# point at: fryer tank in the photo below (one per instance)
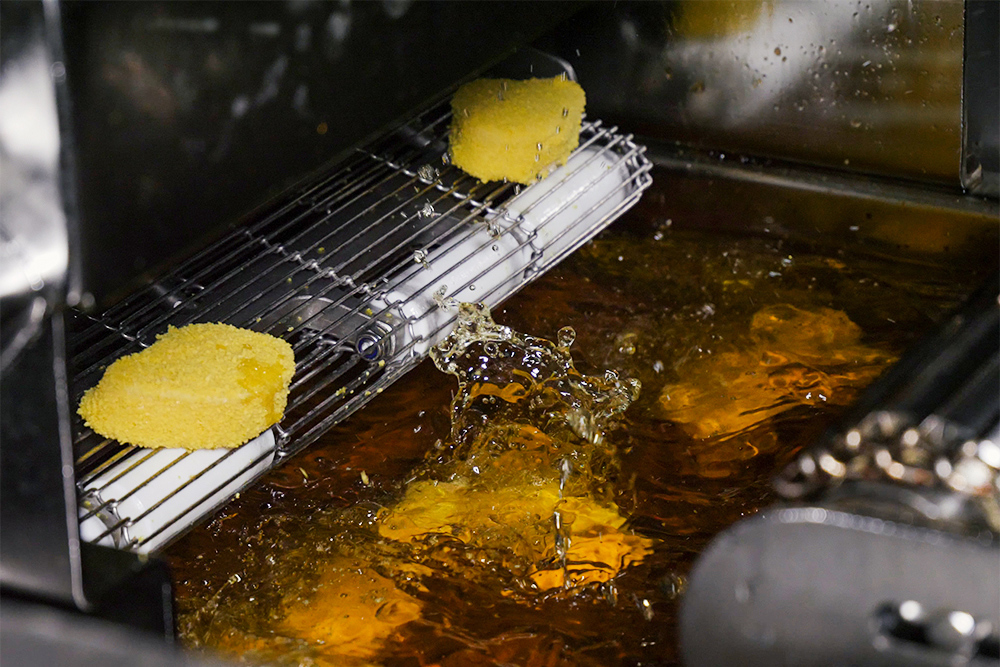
(279, 167)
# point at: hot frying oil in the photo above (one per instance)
(545, 509)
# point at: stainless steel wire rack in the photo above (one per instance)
(352, 270)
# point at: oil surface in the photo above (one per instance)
(746, 349)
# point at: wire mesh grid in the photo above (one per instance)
(343, 271)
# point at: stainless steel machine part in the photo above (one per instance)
(923, 432)
(890, 553)
(814, 586)
(863, 88)
(40, 550)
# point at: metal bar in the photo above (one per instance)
(127, 305)
(232, 254)
(355, 277)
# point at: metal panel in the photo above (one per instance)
(872, 87)
(40, 547)
(809, 586)
(39, 553)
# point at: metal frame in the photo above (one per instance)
(317, 271)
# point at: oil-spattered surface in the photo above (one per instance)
(377, 545)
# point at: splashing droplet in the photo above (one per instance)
(442, 299)
(566, 337)
(427, 172)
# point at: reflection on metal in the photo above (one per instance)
(870, 86)
(34, 253)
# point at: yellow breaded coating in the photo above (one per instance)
(516, 130)
(200, 386)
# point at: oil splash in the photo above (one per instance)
(516, 507)
(526, 478)
(506, 377)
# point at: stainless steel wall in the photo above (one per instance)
(872, 86)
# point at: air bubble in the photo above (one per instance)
(566, 336)
(565, 112)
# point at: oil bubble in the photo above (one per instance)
(566, 336)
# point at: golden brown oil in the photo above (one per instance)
(746, 348)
